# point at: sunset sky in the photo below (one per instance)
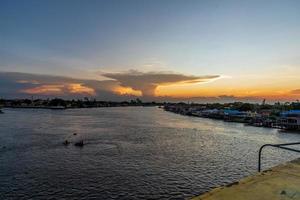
(157, 50)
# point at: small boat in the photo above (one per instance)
(57, 107)
(66, 142)
(79, 144)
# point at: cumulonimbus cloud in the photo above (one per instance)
(24, 85)
(121, 86)
(147, 82)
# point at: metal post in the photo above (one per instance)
(280, 146)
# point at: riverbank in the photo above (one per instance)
(279, 183)
(285, 120)
(69, 104)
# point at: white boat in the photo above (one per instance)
(57, 107)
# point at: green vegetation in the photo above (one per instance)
(79, 103)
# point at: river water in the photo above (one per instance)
(130, 153)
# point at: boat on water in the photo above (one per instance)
(57, 107)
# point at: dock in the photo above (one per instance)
(278, 183)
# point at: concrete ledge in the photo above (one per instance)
(279, 183)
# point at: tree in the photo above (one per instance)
(246, 107)
(57, 102)
(138, 101)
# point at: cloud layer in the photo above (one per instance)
(13, 84)
(297, 91)
(148, 82)
(122, 86)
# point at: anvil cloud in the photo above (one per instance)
(149, 81)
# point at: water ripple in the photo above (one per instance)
(130, 153)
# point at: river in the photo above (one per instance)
(130, 153)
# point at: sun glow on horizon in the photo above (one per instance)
(273, 86)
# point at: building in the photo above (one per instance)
(235, 115)
(290, 120)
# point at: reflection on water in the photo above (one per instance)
(131, 153)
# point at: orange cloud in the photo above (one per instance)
(28, 81)
(78, 88)
(127, 91)
(297, 91)
(45, 89)
(54, 89)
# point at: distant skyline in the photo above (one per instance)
(162, 50)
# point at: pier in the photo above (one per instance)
(278, 183)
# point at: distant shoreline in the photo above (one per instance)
(282, 120)
(70, 104)
(67, 108)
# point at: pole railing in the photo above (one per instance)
(280, 146)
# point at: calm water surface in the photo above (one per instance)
(131, 153)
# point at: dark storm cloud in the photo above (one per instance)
(13, 84)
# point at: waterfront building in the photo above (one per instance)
(290, 120)
(235, 115)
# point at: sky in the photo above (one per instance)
(225, 50)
